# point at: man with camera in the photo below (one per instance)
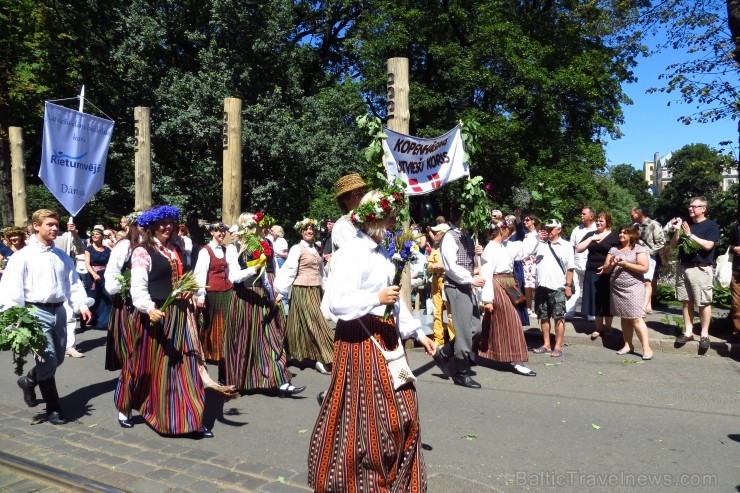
(694, 272)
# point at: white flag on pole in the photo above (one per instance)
(73, 154)
(424, 164)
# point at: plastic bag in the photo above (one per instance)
(723, 272)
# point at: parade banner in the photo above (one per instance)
(424, 165)
(73, 154)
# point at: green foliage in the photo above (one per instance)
(20, 332)
(696, 171)
(475, 205)
(721, 297)
(633, 182)
(665, 293)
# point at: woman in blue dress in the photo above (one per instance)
(97, 256)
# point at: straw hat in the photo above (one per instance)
(350, 182)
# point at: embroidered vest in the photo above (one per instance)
(217, 280)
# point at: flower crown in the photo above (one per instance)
(216, 227)
(12, 231)
(134, 216)
(305, 223)
(390, 201)
(148, 218)
(266, 221)
(500, 224)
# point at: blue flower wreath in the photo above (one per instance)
(153, 215)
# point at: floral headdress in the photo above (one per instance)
(216, 227)
(266, 221)
(12, 231)
(305, 223)
(151, 216)
(500, 224)
(134, 217)
(252, 222)
(390, 201)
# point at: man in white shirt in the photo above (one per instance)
(458, 254)
(43, 276)
(554, 284)
(579, 259)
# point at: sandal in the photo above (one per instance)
(541, 350)
(556, 353)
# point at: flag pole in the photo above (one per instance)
(82, 99)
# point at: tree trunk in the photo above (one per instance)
(6, 197)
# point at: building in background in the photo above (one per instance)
(658, 176)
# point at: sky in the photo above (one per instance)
(651, 126)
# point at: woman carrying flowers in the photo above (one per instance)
(367, 437)
(169, 393)
(307, 335)
(253, 353)
(211, 271)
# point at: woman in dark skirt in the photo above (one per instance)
(124, 327)
(307, 335)
(212, 272)
(596, 290)
(502, 337)
(96, 261)
(367, 435)
(254, 358)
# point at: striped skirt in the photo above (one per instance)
(281, 319)
(367, 436)
(127, 347)
(117, 323)
(253, 344)
(307, 335)
(502, 338)
(169, 392)
(214, 326)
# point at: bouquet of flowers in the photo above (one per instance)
(20, 332)
(124, 279)
(186, 284)
(255, 251)
(403, 249)
(686, 245)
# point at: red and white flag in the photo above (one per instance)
(424, 165)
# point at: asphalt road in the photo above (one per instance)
(591, 421)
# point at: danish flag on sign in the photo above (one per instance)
(424, 165)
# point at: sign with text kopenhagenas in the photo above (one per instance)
(73, 154)
(424, 164)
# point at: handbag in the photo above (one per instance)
(514, 294)
(723, 273)
(398, 365)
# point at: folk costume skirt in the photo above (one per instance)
(281, 319)
(253, 345)
(367, 436)
(119, 320)
(502, 338)
(129, 331)
(169, 392)
(307, 335)
(214, 325)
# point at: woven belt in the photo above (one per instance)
(46, 305)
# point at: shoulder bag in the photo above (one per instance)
(398, 365)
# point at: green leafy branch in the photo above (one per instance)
(475, 205)
(372, 126)
(20, 332)
(687, 246)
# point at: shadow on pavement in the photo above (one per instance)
(76, 405)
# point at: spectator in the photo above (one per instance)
(436, 268)
(554, 285)
(627, 266)
(186, 244)
(529, 263)
(694, 273)
(653, 238)
(579, 259)
(97, 256)
(595, 304)
(735, 283)
(279, 244)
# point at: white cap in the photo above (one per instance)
(553, 223)
(234, 229)
(444, 227)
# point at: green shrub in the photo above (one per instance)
(665, 293)
(722, 296)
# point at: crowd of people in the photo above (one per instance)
(257, 306)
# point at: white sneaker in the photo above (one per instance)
(73, 353)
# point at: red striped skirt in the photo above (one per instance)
(367, 435)
(212, 333)
(126, 345)
(502, 337)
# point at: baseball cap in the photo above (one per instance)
(234, 229)
(444, 227)
(553, 223)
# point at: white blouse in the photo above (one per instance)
(236, 273)
(498, 258)
(204, 263)
(360, 270)
(118, 257)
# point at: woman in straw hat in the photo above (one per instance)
(367, 435)
(349, 191)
